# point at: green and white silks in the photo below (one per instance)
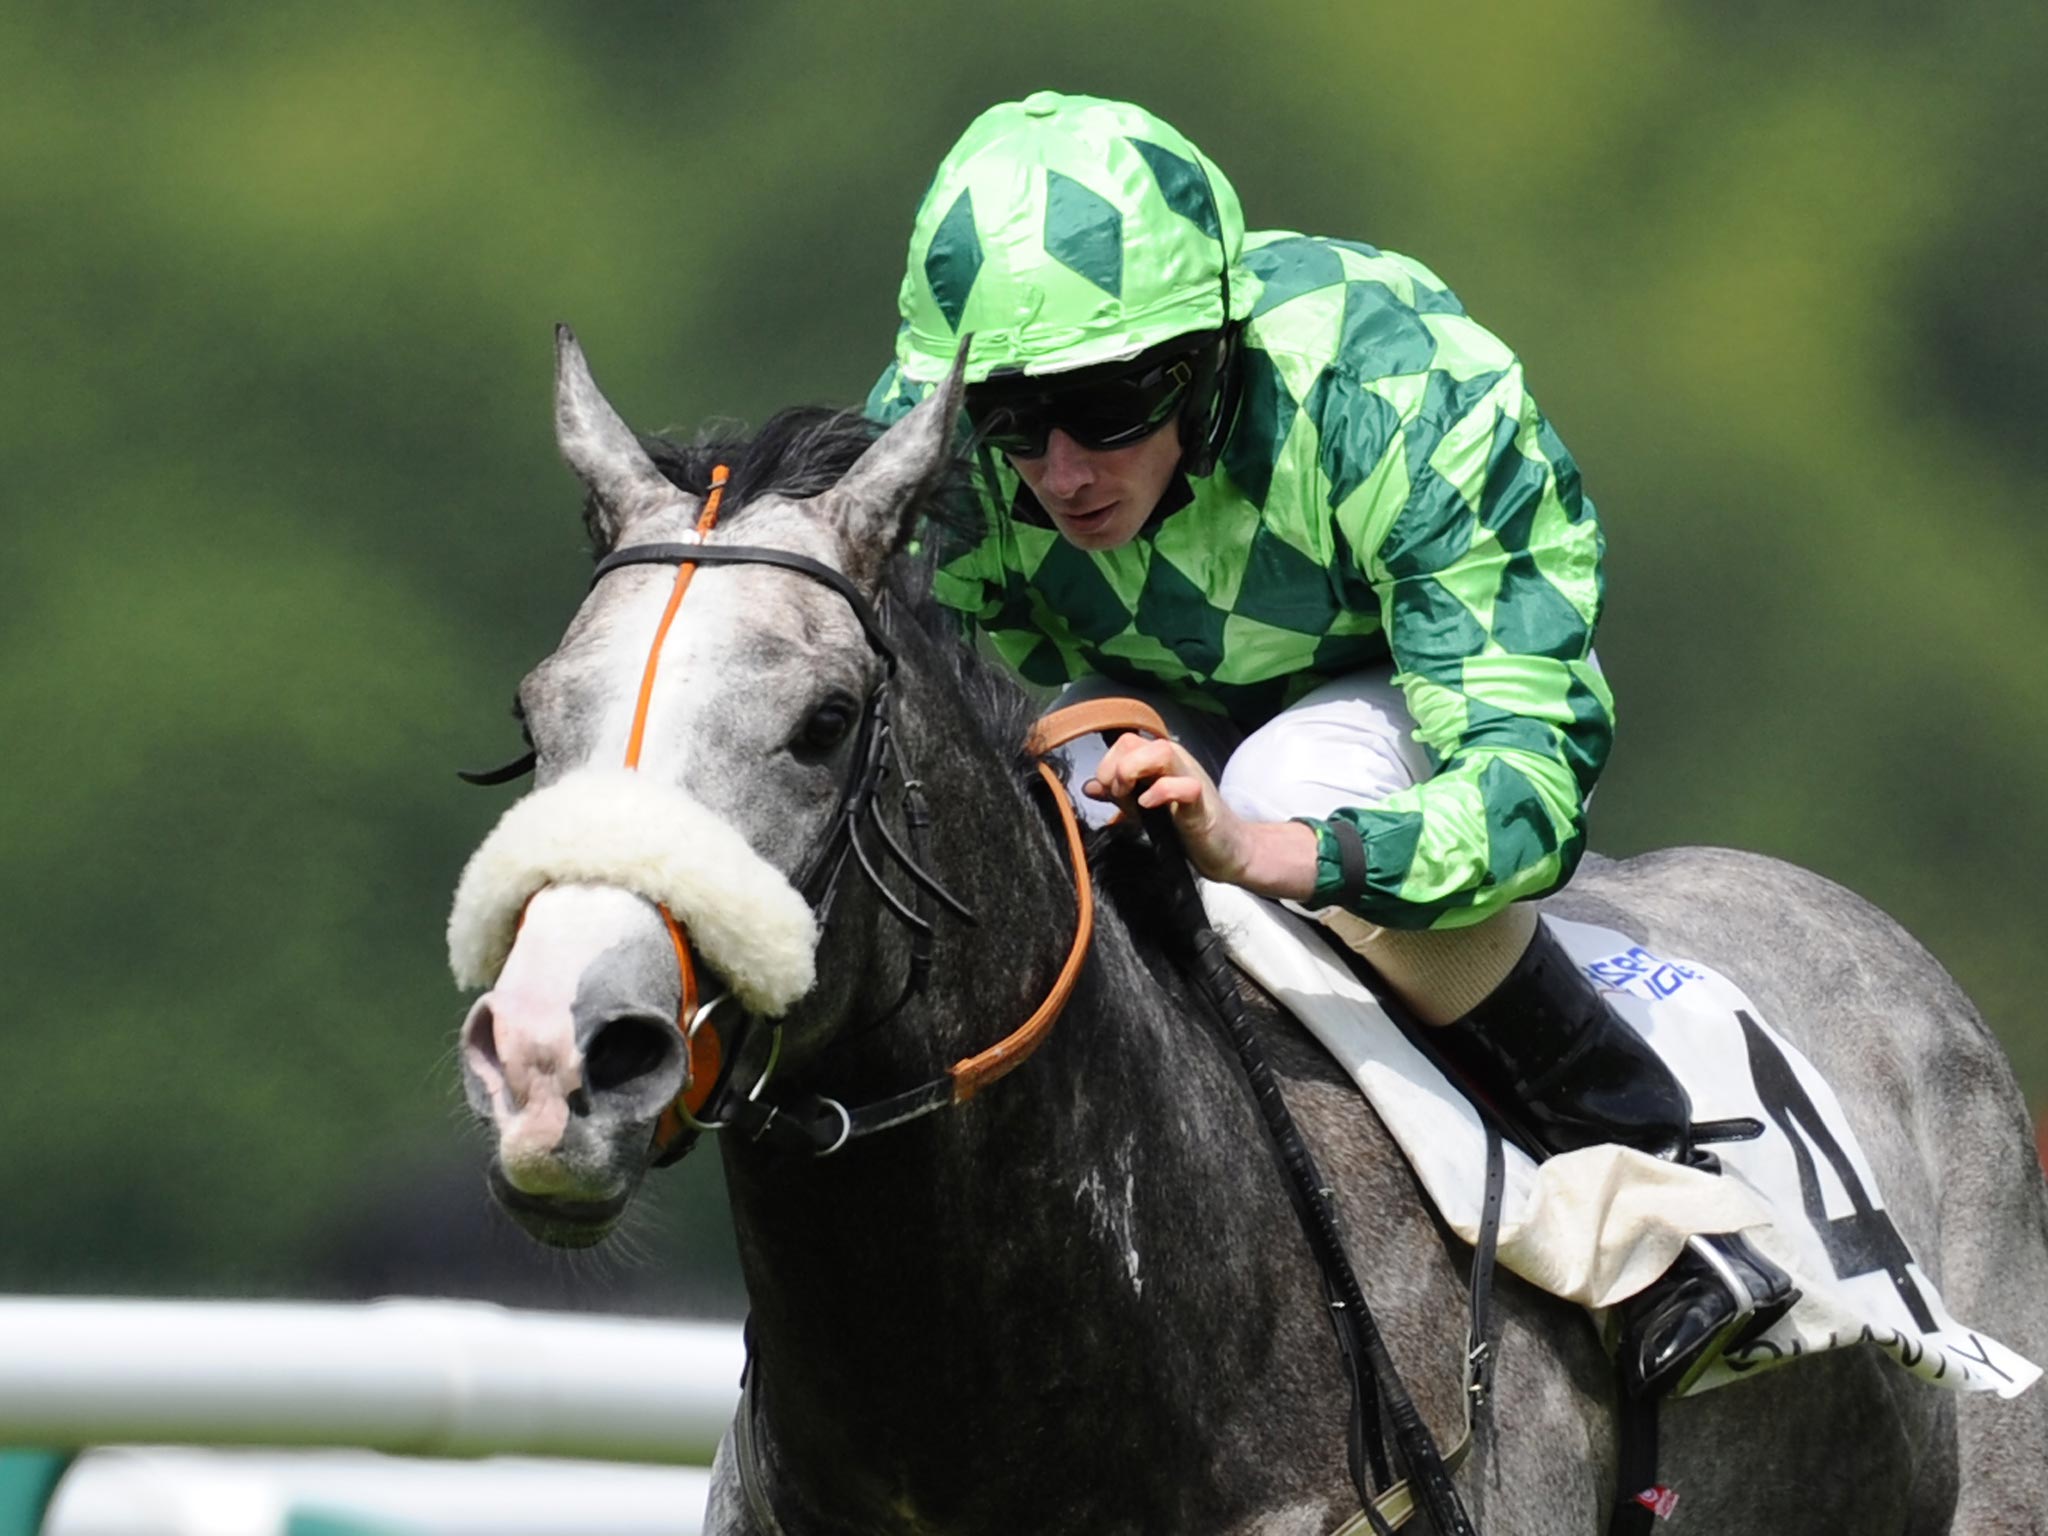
(1388, 489)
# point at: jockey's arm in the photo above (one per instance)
(1485, 557)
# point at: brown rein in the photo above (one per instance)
(1051, 732)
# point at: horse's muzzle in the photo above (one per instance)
(558, 1222)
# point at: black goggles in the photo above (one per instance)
(1017, 418)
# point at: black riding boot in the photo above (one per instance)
(1565, 1071)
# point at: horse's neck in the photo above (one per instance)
(1079, 1302)
(1050, 1282)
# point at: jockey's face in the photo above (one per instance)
(1098, 498)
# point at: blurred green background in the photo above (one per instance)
(283, 522)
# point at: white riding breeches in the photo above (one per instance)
(1350, 743)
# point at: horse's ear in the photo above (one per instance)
(878, 498)
(601, 448)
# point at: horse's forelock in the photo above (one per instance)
(800, 453)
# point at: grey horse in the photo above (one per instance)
(1079, 1302)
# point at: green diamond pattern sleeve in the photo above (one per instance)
(1485, 558)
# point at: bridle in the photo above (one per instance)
(714, 1096)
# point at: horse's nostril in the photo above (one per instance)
(623, 1050)
(480, 1036)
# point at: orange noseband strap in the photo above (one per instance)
(706, 521)
(706, 1055)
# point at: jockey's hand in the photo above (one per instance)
(1272, 858)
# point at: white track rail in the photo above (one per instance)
(421, 1378)
(173, 1491)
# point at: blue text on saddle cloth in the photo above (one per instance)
(1642, 972)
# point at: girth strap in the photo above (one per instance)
(1638, 1501)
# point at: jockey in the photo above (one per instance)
(1285, 490)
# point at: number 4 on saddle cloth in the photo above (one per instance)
(1598, 1225)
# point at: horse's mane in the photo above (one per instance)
(805, 451)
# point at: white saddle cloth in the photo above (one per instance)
(1598, 1225)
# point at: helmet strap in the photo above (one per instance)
(1211, 406)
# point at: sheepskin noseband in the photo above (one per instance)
(617, 827)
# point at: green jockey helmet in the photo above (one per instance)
(1066, 232)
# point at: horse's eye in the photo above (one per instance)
(825, 727)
